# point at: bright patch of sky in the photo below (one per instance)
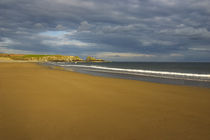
(54, 33)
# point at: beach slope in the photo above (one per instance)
(41, 103)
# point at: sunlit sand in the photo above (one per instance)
(39, 103)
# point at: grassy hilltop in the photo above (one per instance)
(49, 58)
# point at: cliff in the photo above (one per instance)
(49, 58)
(42, 58)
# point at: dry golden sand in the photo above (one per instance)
(38, 103)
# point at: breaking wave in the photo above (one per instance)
(164, 74)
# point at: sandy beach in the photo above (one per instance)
(41, 103)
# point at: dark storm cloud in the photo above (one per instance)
(140, 30)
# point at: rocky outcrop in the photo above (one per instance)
(93, 59)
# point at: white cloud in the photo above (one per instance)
(4, 29)
(7, 42)
(150, 42)
(188, 31)
(21, 32)
(176, 54)
(16, 51)
(38, 25)
(66, 42)
(118, 28)
(166, 2)
(203, 4)
(84, 26)
(120, 54)
(60, 27)
(204, 48)
(124, 28)
(76, 3)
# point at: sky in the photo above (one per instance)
(116, 30)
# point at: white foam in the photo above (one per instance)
(145, 71)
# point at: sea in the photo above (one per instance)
(179, 73)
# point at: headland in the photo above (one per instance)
(46, 58)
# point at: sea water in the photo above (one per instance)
(182, 73)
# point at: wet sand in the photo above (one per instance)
(39, 103)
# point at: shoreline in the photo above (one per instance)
(37, 102)
(91, 73)
(138, 77)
